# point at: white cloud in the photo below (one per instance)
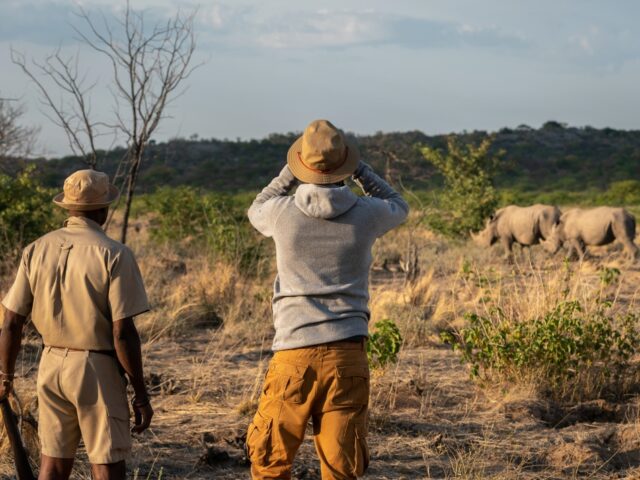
(324, 28)
(348, 28)
(219, 17)
(597, 46)
(583, 42)
(247, 27)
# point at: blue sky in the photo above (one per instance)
(368, 65)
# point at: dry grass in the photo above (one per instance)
(207, 345)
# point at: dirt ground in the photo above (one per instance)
(428, 419)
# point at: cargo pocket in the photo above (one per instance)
(119, 428)
(350, 456)
(285, 382)
(258, 443)
(351, 385)
(361, 461)
(117, 406)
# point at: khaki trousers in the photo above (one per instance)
(328, 384)
(82, 394)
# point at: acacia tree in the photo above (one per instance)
(469, 195)
(148, 64)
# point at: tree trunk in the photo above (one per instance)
(131, 185)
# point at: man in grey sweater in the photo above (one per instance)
(323, 236)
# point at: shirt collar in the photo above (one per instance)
(72, 222)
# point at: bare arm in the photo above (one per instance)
(10, 341)
(127, 344)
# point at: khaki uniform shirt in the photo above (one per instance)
(75, 282)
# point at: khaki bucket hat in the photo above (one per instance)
(323, 154)
(86, 190)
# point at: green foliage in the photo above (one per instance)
(215, 222)
(26, 211)
(384, 344)
(569, 353)
(625, 192)
(555, 158)
(469, 196)
(609, 275)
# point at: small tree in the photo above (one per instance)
(148, 63)
(469, 196)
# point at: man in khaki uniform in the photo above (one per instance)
(323, 236)
(82, 290)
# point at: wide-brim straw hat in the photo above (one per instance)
(87, 190)
(323, 154)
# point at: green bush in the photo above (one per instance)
(469, 195)
(625, 192)
(609, 275)
(195, 219)
(568, 353)
(384, 344)
(26, 212)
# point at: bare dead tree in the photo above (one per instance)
(16, 140)
(148, 64)
(72, 111)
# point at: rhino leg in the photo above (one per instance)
(631, 249)
(625, 232)
(507, 244)
(576, 245)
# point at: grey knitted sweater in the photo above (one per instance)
(323, 238)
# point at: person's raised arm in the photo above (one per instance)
(389, 206)
(10, 341)
(127, 344)
(261, 213)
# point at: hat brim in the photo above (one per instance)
(307, 175)
(114, 194)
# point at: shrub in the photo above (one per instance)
(384, 344)
(26, 211)
(624, 192)
(469, 196)
(568, 353)
(203, 220)
(609, 275)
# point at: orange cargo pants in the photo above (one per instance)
(328, 384)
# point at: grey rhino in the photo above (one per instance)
(524, 225)
(596, 226)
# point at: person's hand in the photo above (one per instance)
(6, 386)
(361, 166)
(288, 176)
(143, 413)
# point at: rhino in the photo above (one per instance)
(513, 224)
(579, 228)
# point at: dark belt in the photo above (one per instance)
(111, 353)
(360, 339)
